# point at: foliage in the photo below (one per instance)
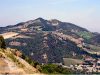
(55, 69)
(2, 42)
(48, 68)
(30, 61)
(55, 49)
(14, 59)
(86, 35)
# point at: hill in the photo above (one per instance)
(42, 24)
(12, 64)
(13, 61)
(49, 41)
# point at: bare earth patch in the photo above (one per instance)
(9, 35)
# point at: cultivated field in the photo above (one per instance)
(9, 35)
(70, 61)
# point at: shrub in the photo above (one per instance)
(2, 42)
(30, 61)
(55, 69)
(14, 59)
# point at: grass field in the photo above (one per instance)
(70, 61)
(9, 35)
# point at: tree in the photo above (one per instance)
(2, 42)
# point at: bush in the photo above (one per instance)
(55, 69)
(30, 61)
(14, 59)
(2, 42)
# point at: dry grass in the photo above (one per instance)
(9, 35)
(70, 61)
(2, 63)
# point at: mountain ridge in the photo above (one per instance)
(45, 24)
(44, 46)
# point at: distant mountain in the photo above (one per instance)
(49, 41)
(44, 25)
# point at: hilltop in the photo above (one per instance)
(49, 41)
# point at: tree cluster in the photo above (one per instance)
(2, 42)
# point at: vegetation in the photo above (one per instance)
(96, 40)
(13, 58)
(55, 69)
(70, 61)
(86, 35)
(55, 49)
(45, 42)
(48, 68)
(92, 47)
(2, 42)
(30, 61)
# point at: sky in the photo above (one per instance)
(84, 13)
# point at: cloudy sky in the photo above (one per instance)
(85, 13)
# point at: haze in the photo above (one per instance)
(84, 13)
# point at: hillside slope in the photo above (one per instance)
(42, 24)
(49, 41)
(12, 64)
